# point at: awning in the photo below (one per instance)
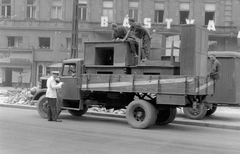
(16, 65)
(57, 65)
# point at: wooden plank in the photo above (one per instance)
(175, 85)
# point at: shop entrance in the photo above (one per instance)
(8, 77)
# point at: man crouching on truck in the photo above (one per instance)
(119, 32)
(51, 94)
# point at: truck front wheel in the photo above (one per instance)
(166, 116)
(42, 106)
(78, 112)
(141, 114)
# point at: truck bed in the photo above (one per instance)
(157, 84)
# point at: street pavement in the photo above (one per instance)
(225, 117)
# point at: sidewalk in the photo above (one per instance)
(225, 117)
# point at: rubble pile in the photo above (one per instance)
(104, 110)
(20, 97)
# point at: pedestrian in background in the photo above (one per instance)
(51, 95)
(19, 82)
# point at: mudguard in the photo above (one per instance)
(39, 93)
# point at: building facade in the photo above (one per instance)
(37, 33)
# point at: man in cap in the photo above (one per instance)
(51, 94)
(215, 68)
(119, 32)
(141, 33)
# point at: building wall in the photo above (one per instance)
(227, 22)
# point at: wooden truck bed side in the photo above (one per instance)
(156, 84)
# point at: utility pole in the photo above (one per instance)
(74, 47)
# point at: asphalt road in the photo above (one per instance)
(25, 132)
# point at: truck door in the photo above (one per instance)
(70, 76)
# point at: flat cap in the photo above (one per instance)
(114, 25)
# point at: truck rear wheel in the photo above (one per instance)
(141, 114)
(166, 116)
(78, 112)
(42, 106)
(198, 113)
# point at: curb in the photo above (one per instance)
(176, 121)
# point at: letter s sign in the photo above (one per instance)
(147, 22)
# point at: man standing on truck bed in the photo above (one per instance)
(215, 69)
(119, 32)
(51, 95)
(141, 33)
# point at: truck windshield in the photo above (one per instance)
(69, 69)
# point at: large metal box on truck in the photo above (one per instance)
(193, 55)
(227, 89)
(113, 53)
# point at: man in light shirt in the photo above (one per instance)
(51, 94)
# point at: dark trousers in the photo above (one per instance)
(133, 44)
(52, 113)
(146, 45)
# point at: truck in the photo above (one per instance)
(109, 75)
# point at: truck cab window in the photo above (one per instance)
(69, 70)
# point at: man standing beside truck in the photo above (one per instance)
(51, 94)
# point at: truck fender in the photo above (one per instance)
(39, 93)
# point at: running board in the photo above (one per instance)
(69, 108)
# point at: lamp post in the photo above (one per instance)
(74, 46)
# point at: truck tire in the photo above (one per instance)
(79, 112)
(141, 114)
(166, 116)
(42, 106)
(210, 111)
(197, 113)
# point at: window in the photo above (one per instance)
(44, 43)
(108, 9)
(69, 69)
(40, 72)
(133, 9)
(6, 8)
(15, 41)
(48, 70)
(56, 9)
(82, 10)
(212, 45)
(31, 8)
(159, 12)
(69, 43)
(209, 12)
(184, 12)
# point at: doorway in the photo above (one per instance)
(8, 77)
